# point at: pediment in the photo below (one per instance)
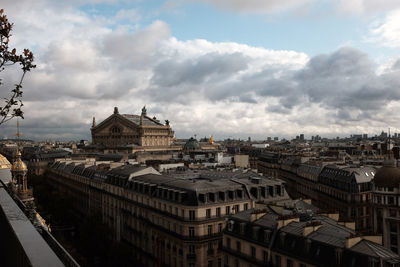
(112, 121)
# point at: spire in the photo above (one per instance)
(19, 169)
(18, 134)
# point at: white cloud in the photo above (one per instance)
(256, 6)
(367, 6)
(86, 67)
(386, 32)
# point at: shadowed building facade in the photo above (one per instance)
(386, 204)
(169, 219)
(278, 237)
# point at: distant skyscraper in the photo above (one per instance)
(301, 137)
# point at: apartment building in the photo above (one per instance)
(296, 235)
(173, 218)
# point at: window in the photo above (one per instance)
(219, 227)
(219, 262)
(253, 252)
(228, 210)
(238, 246)
(289, 263)
(265, 256)
(392, 213)
(236, 208)
(208, 213)
(210, 263)
(218, 212)
(278, 261)
(209, 229)
(245, 206)
(192, 249)
(191, 231)
(191, 215)
(228, 242)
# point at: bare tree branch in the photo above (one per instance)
(11, 106)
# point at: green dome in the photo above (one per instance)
(191, 144)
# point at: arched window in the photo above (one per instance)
(115, 130)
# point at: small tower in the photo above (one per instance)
(94, 122)
(116, 110)
(19, 172)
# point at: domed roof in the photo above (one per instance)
(18, 164)
(4, 163)
(387, 176)
(191, 144)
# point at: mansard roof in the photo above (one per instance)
(318, 247)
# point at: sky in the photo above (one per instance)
(227, 68)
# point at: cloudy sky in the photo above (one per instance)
(227, 68)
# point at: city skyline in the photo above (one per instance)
(220, 68)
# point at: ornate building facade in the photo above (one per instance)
(124, 130)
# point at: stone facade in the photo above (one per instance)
(120, 130)
(170, 219)
(290, 235)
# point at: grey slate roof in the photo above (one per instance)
(362, 174)
(370, 248)
(146, 120)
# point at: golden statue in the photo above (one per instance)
(211, 140)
